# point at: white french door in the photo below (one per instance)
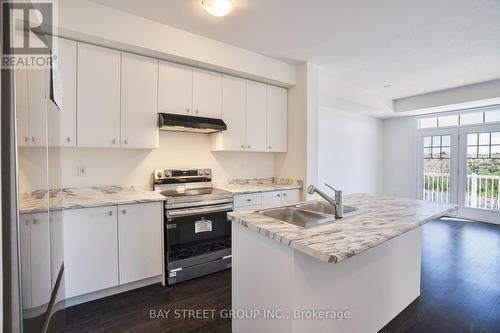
(438, 157)
(479, 173)
(461, 166)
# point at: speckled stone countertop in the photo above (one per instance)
(384, 218)
(243, 186)
(72, 198)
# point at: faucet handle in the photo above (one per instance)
(331, 187)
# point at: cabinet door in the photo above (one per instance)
(140, 241)
(256, 126)
(22, 111)
(90, 249)
(175, 93)
(271, 199)
(207, 93)
(40, 259)
(276, 119)
(98, 117)
(233, 113)
(139, 102)
(290, 196)
(24, 234)
(62, 123)
(37, 106)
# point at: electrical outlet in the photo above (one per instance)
(82, 171)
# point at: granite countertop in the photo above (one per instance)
(383, 218)
(72, 198)
(260, 185)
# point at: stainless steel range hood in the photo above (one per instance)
(181, 123)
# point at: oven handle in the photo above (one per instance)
(197, 211)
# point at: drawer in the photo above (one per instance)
(252, 207)
(242, 200)
(271, 199)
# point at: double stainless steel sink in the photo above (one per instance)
(308, 214)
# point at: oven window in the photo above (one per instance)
(191, 236)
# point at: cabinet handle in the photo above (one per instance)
(110, 213)
(249, 147)
(68, 139)
(27, 222)
(278, 195)
(270, 147)
(114, 141)
(124, 211)
(196, 111)
(35, 221)
(125, 141)
(33, 139)
(26, 139)
(249, 200)
(187, 110)
(284, 194)
(242, 146)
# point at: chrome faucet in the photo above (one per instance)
(337, 202)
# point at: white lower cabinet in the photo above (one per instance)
(109, 246)
(35, 259)
(90, 249)
(140, 241)
(279, 198)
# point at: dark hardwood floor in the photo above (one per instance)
(460, 292)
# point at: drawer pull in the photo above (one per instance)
(110, 213)
(249, 200)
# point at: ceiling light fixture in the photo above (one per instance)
(217, 7)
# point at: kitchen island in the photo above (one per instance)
(351, 275)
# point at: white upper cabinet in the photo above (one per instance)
(140, 241)
(62, 123)
(276, 119)
(31, 107)
(175, 91)
(98, 116)
(233, 114)
(207, 93)
(139, 102)
(256, 127)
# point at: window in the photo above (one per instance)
(465, 118)
(492, 116)
(483, 145)
(437, 147)
(471, 118)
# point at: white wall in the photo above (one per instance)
(400, 157)
(134, 166)
(350, 151)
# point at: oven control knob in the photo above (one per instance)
(207, 172)
(159, 174)
(200, 172)
(167, 174)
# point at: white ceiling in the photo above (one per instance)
(415, 46)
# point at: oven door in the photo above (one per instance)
(197, 235)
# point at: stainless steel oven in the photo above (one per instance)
(197, 231)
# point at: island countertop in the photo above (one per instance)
(383, 218)
(72, 198)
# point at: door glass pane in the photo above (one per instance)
(436, 163)
(483, 171)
